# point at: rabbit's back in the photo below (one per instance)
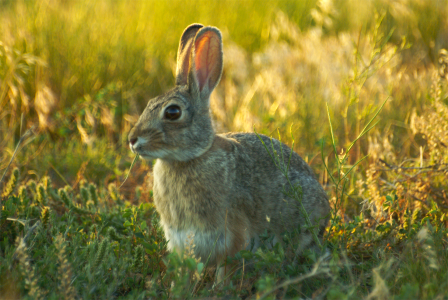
(259, 176)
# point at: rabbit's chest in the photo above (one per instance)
(186, 202)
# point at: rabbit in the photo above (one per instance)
(222, 190)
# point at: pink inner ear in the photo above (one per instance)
(207, 56)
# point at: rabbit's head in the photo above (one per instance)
(177, 125)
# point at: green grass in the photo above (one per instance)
(81, 73)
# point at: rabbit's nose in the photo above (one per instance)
(133, 141)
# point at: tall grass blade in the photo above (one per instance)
(133, 162)
(364, 130)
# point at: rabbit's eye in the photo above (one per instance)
(173, 112)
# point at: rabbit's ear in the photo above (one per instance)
(206, 57)
(184, 53)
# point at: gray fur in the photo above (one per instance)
(221, 189)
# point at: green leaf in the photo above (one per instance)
(200, 267)
(147, 245)
(191, 264)
(145, 206)
(139, 235)
(127, 224)
(143, 225)
(246, 254)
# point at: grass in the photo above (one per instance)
(313, 72)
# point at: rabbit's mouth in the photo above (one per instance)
(146, 155)
(136, 147)
(151, 155)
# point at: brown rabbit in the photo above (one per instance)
(222, 189)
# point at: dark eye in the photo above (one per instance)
(173, 112)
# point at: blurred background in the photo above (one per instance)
(82, 71)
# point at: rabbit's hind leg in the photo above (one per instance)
(240, 238)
